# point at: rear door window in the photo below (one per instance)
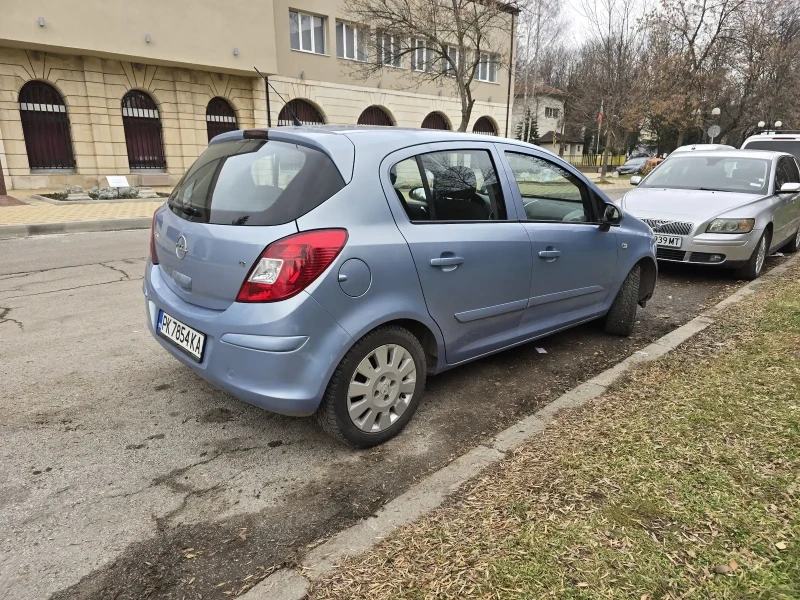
(255, 182)
(452, 185)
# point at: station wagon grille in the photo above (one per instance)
(669, 227)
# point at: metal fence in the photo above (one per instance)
(593, 160)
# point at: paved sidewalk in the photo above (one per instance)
(50, 213)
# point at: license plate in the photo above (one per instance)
(672, 241)
(184, 337)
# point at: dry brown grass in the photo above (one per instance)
(684, 482)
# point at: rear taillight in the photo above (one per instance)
(153, 254)
(289, 265)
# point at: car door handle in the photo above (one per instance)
(447, 261)
(549, 253)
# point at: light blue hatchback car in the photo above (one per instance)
(331, 270)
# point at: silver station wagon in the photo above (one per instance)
(724, 208)
(329, 271)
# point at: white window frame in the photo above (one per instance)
(360, 35)
(421, 49)
(313, 49)
(555, 113)
(486, 69)
(447, 68)
(396, 62)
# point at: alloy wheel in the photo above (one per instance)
(381, 388)
(762, 254)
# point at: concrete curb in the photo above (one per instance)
(109, 201)
(31, 229)
(429, 493)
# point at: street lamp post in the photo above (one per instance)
(714, 130)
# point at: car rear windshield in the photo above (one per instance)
(790, 146)
(255, 182)
(716, 173)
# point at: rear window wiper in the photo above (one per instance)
(187, 210)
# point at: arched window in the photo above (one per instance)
(142, 131)
(220, 117)
(435, 120)
(375, 115)
(45, 125)
(484, 126)
(305, 112)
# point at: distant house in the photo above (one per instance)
(553, 141)
(544, 106)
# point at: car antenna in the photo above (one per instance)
(297, 122)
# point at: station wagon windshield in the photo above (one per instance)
(717, 173)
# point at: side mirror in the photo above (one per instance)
(612, 215)
(636, 180)
(418, 194)
(789, 188)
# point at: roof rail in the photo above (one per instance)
(778, 132)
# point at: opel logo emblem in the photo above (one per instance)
(180, 247)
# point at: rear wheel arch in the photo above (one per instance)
(423, 333)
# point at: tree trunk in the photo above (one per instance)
(680, 137)
(604, 162)
(466, 112)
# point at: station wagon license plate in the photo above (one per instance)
(184, 337)
(671, 241)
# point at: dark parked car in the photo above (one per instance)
(632, 166)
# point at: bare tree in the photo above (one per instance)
(691, 47)
(540, 24)
(615, 52)
(449, 42)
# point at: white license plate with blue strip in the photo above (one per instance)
(181, 335)
(669, 241)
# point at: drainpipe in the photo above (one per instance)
(269, 111)
(510, 71)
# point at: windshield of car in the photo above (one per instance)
(717, 173)
(790, 146)
(254, 182)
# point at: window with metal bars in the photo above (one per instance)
(375, 115)
(435, 120)
(45, 126)
(484, 126)
(306, 113)
(220, 117)
(142, 125)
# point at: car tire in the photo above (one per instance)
(333, 414)
(755, 264)
(621, 317)
(794, 244)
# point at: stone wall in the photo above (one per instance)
(93, 87)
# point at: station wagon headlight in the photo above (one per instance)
(731, 226)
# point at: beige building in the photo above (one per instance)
(545, 105)
(96, 88)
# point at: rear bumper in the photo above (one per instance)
(277, 356)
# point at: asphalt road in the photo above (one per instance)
(124, 475)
